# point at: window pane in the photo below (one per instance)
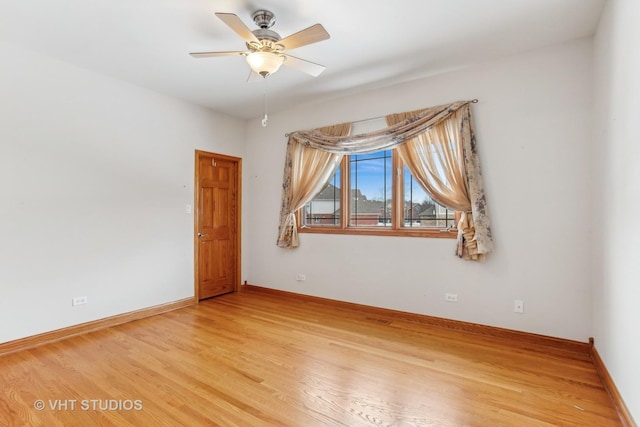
(370, 182)
(420, 211)
(324, 209)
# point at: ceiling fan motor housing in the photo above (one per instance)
(265, 34)
(263, 18)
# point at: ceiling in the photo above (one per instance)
(373, 43)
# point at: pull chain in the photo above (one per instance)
(265, 103)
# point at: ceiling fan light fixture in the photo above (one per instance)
(265, 63)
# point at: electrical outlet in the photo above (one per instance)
(78, 301)
(301, 277)
(451, 297)
(518, 306)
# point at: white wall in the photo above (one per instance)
(95, 175)
(533, 131)
(616, 127)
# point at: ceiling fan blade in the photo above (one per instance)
(214, 54)
(308, 67)
(254, 77)
(313, 34)
(238, 26)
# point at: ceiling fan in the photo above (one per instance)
(265, 47)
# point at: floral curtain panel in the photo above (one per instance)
(306, 170)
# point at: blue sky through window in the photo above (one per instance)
(371, 174)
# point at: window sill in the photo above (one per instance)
(435, 233)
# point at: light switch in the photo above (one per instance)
(187, 209)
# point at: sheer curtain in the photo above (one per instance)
(441, 150)
(437, 159)
(307, 170)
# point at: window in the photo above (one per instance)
(378, 201)
(420, 211)
(370, 187)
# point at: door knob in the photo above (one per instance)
(200, 235)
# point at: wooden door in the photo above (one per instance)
(217, 224)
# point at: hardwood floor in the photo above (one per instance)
(256, 359)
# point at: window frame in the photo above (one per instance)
(397, 217)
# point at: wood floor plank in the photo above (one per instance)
(256, 359)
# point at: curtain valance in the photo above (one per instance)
(383, 139)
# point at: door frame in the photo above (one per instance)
(196, 217)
